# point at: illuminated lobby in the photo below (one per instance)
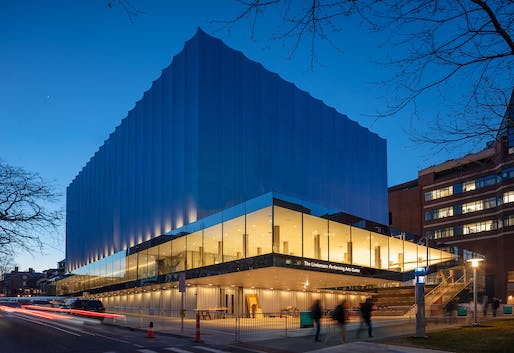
(280, 251)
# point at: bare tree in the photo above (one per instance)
(437, 46)
(7, 264)
(25, 210)
(130, 10)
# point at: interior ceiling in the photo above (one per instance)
(286, 279)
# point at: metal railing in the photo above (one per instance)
(446, 290)
(235, 328)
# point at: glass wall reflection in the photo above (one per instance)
(249, 231)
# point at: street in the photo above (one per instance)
(25, 333)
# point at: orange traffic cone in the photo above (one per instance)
(150, 333)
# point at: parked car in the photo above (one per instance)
(10, 304)
(84, 304)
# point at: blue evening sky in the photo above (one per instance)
(71, 70)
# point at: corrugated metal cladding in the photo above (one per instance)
(216, 129)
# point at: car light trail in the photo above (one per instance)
(40, 314)
(76, 312)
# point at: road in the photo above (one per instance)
(24, 333)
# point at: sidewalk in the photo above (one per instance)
(276, 340)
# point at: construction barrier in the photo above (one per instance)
(150, 333)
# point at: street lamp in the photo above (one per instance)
(474, 265)
(420, 301)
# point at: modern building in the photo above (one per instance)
(228, 180)
(468, 202)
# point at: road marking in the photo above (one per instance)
(145, 351)
(111, 338)
(138, 345)
(247, 349)
(209, 349)
(45, 324)
(177, 350)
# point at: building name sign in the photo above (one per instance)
(341, 268)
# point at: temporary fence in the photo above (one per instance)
(238, 327)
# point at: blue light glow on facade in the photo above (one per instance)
(214, 130)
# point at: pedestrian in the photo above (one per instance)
(365, 311)
(254, 310)
(485, 304)
(451, 307)
(495, 305)
(316, 317)
(340, 314)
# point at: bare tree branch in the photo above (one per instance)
(436, 46)
(25, 212)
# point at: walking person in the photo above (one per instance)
(495, 305)
(316, 317)
(340, 314)
(485, 304)
(365, 311)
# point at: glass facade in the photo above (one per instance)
(255, 228)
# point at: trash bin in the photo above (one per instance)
(305, 319)
(462, 311)
(507, 309)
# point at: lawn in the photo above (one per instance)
(493, 337)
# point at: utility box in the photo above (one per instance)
(306, 319)
(507, 309)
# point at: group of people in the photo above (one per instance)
(340, 315)
(494, 302)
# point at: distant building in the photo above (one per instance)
(467, 202)
(46, 284)
(18, 283)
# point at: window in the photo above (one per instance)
(469, 185)
(472, 206)
(439, 193)
(510, 276)
(508, 221)
(440, 233)
(508, 173)
(443, 212)
(478, 227)
(489, 203)
(440, 213)
(508, 197)
(479, 205)
(486, 181)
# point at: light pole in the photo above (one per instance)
(420, 302)
(474, 265)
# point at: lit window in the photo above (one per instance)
(439, 193)
(469, 185)
(508, 197)
(443, 212)
(478, 227)
(443, 233)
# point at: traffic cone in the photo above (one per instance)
(150, 333)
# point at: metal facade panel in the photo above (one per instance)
(214, 130)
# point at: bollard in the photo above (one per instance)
(197, 335)
(150, 333)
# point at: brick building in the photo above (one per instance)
(20, 283)
(468, 202)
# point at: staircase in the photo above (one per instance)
(437, 298)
